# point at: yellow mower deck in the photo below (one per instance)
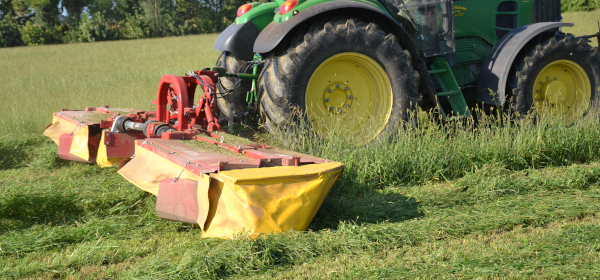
(250, 200)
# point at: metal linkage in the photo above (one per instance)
(180, 173)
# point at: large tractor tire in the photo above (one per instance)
(558, 78)
(341, 72)
(231, 92)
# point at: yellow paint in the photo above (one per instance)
(352, 91)
(102, 159)
(459, 11)
(79, 146)
(562, 89)
(147, 169)
(244, 201)
(58, 127)
(203, 200)
(268, 200)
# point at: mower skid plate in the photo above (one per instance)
(230, 185)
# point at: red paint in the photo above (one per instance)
(178, 201)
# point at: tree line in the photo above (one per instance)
(38, 22)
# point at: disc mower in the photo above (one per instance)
(225, 184)
(364, 64)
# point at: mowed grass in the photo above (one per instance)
(37, 81)
(459, 201)
(586, 23)
(71, 220)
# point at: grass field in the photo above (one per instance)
(586, 23)
(40, 80)
(499, 201)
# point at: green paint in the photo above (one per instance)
(260, 15)
(445, 77)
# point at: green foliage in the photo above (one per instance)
(9, 33)
(93, 28)
(133, 27)
(110, 19)
(447, 151)
(47, 11)
(579, 5)
(32, 35)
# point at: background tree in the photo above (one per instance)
(35, 22)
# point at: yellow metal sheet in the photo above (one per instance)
(268, 200)
(203, 200)
(147, 169)
(58, 127)
(102, 159)
(79, 146)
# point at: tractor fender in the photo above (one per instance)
(497, 65)
(238, 39)
(274, 33)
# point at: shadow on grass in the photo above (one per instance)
(34, 151)
(24, 211)
(12, 155)
(370, 209)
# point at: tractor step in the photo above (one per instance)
(442, 72)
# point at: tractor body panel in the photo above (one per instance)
(490, 20)
(260, 15)
(239, 37)
(494, 73)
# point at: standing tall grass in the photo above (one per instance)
(434, 151)
(37, 81)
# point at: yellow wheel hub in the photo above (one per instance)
(562, 90)
(349, 93)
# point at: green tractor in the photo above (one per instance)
(370, 63)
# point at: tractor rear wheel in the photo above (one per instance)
(558, 78)
(231, 92)
(342, 73)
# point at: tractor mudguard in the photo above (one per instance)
(238, 39)
(496, 67)
(274, 33)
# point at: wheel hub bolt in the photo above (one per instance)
(340, 110)
(555, 78)
(346, 88)
(331, 108)
(350, 97)
(326, 99)
(337, 86)
(535, 91)
(547, 78)
(348, 106)
(329, 90)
